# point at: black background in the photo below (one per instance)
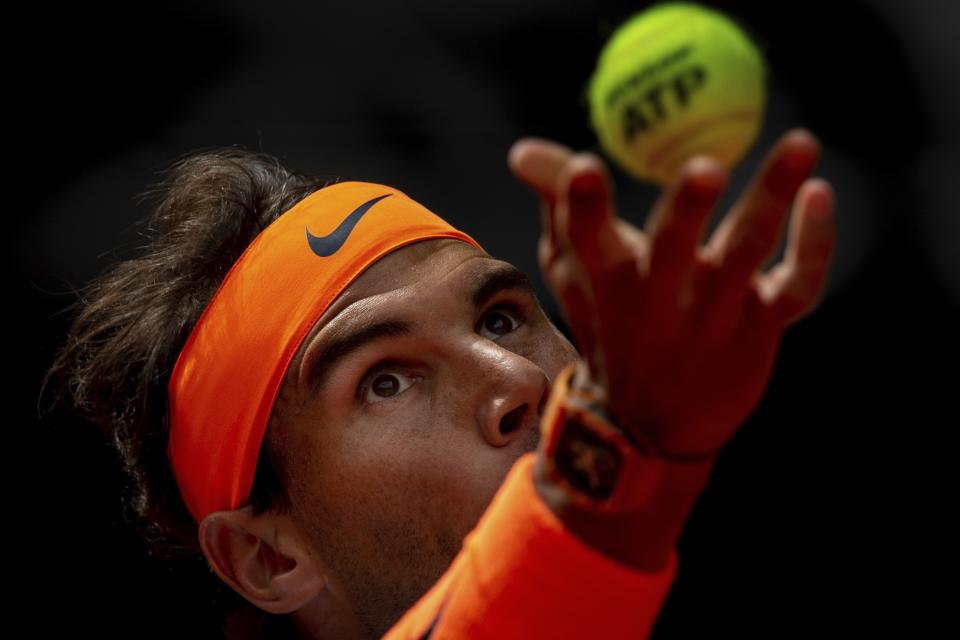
(827, 511)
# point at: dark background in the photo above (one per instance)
(827, 511)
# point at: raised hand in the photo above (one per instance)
(683, 336)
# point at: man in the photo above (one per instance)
(392, 417)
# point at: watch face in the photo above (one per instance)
(587, 461)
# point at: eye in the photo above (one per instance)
(384, 384)
(503, 319)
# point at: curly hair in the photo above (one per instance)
(130, 324)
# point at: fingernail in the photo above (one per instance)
(803, 162)
(819, 202)
(513, 157)
(586, 186)
(806, 135)
(701, 177)
(818, 206)
(701, 163)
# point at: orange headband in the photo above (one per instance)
(227, 377)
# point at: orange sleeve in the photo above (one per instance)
(522, 574)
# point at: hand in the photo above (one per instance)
(683, 337)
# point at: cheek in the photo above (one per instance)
(552, 351)
(440, 484)
(380, 463)
(401, 507)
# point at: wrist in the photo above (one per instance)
(612, 492)
(641, 539)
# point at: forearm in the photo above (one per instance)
(522, 573)
(641, 539)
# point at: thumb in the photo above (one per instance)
(536, 162)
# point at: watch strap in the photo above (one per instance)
(598, 465)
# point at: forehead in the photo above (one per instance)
(426, 259)
(419, 262)
(416, 263)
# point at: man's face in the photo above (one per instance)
(392, 451)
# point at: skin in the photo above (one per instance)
(384, 495)
(712, 318)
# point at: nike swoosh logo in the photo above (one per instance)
(326, 246)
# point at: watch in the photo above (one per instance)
(595, 462)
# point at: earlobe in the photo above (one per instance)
(262, 558)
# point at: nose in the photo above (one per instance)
(512, 402)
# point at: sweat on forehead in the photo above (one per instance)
(230, 370)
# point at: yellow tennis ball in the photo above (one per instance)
(675, 81)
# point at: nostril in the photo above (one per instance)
(511, 420)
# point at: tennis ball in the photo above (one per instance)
(674, 81)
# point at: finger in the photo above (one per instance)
(749, 235)
(635, 238)
(792, 288)
(676, 226)
(599, 258)
(586, 222)
(567, 281)
(537, 162)
(569, 284)
(751, 231)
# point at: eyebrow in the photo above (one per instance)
(487, 284)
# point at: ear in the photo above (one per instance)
(264, 558)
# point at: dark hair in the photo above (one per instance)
(132, 321)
